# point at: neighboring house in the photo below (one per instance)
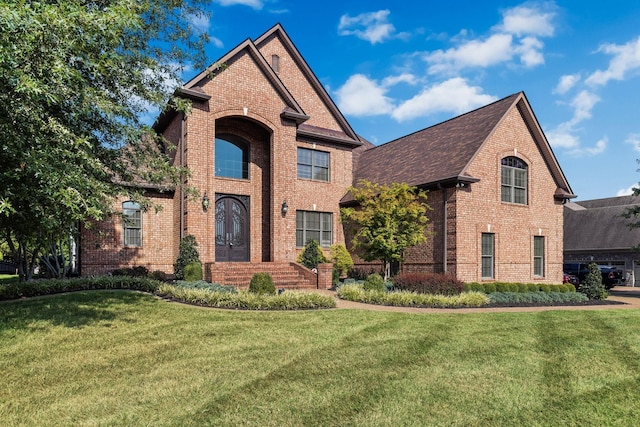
(596, 231)
(274, 157)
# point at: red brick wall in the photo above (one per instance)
(102, 248)
(480, 209)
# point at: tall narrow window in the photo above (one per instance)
(514, 181)
(314, 225)
(131, 224)
(313, 164)
(538, 256)
(231, 159)
(488, 255)
(275, 63)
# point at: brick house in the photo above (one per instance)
(273, 157)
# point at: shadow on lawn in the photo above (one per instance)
(71, 310)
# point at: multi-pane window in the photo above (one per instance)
(488, 255)
(314, 225)
(313, 164)
(514, 180)
(538, 256)
(231, 159)
(131, 224)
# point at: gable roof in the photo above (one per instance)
(598, 225)
(441, 154)
(292, 110)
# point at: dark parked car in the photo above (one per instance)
(610, 276)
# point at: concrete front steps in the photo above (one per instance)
(238, 274)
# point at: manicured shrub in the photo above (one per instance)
(522, 287)
(592, 286)
(201, 284)
(544, 287)
(187, 253)
(473, 287)
(374, 282)
(489, 288)
(341, 259)
(311, 255)
(354, 292)
(335, 276)
(193, 271)
(538, 298)
(159, 275)
(428, 283)
(570, 287)
(533, 287)
(502, 287)
(360, 273)
(262, 283)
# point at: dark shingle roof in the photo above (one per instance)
(599, 225)
(436, 153)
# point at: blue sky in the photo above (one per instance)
(397, 67)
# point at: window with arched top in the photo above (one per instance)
(514, 180)
(231, 158)
(131, 224)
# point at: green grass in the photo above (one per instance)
(6, 279)
(127, 358)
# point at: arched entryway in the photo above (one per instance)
(232, 228)
(243, 172)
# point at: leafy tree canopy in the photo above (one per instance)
(76, 76)
(389, 219)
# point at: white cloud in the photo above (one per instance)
(525, 20)
(453, 95)
(361, 96)
(254, 4)
(627, 191)
(200, 22)
(372, 27)
(634, 140)
(475, 53)
(530, 52)
(566, 83)
(517, 36)
(626, 59)
(583, 103)
(565, 134)
(216, 42)
(402, 78)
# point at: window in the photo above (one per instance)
(131, 224)
(314, 225)
(231, 159)
(538, 256)
(488, 255)
(313, 164)
(275, 63)
(514, 180)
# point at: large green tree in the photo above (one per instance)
(76, 76)
(387, 220)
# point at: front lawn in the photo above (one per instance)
(128, 358)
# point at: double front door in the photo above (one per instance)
(232, 228)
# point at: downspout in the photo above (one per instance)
(181, 234)
(444, 234)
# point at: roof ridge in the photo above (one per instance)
(449, 120)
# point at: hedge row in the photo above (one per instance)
(355, 292)
(201, 293)
(489, 288)
(56, 286)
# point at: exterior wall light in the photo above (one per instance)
(285, 208)
(205, 202)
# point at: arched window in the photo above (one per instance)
(514, 180)
(231, 159)
(131, 224)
